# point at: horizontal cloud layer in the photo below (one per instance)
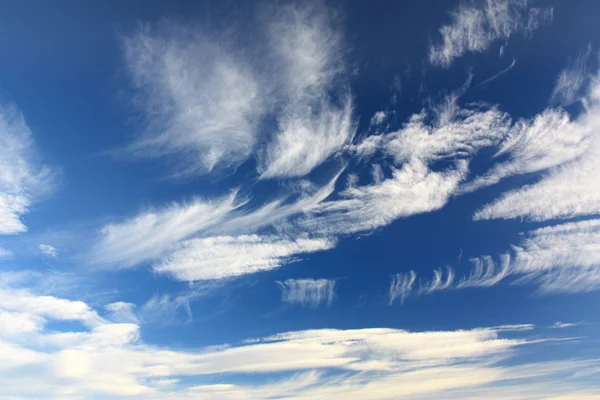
(110, 359)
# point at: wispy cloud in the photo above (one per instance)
(48, 250)
(22, 176)
(571, 149)
(122, 312)
(201, 99)
(475, 26)
(484, 273)
(562, 258)
(206, 103)
(561, 325)
(316, 118)
(227, 256)
(5, 253)
(308, 292)
(109, 359)
(571, 82)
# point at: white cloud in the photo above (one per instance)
(475, 27)
(561, 325)
(313, 123)
(308, 292)
(150, 234)
(454, 133)
(48, 250)
(412, 189)
(22, 177)
(548, 140)
(401, 286)
(562, 258)
(566, 190)
(485, 273)
(110, 359)
(230, 256)
(202, 101)
(378, 118)
(5, 253)
(572, 80)
(122, 312)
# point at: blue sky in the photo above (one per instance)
(238, 200)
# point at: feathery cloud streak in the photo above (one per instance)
(475, 27)
(22, 177)
(308, 292)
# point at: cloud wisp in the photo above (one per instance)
(308, 292)
(476, 26)
(22, 177)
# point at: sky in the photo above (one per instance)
(299, 200)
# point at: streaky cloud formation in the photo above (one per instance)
(150, 234)
(315, 120)
(572, 81)
(485, 273)
(308, 292)
(207, 104)
(110, 359)
(226, 256)
(548, 140)
(201, 100)
(561, 258)
(22, 176)
(475, 26)
(569, 188)
(412, 189)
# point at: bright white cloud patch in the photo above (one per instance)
(308, 292)
(48, 250)
(22, 178)
(475, 26)
(201, 99)
(109, 359)
(227, 256)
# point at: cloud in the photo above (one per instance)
(109, 358)
(548, 140)
(412, 189)
(122, 312)
(315, 120)
(475, 27)
(206, 104)
(401, 286)
(485, 273)
(561, 258)
(5, 253)
(202, 101)
(22, 177)
(150, 234)
(228, 256)
(572, 80)
(48, 250)
(561, 325)
(571, 149)
(308, 292)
